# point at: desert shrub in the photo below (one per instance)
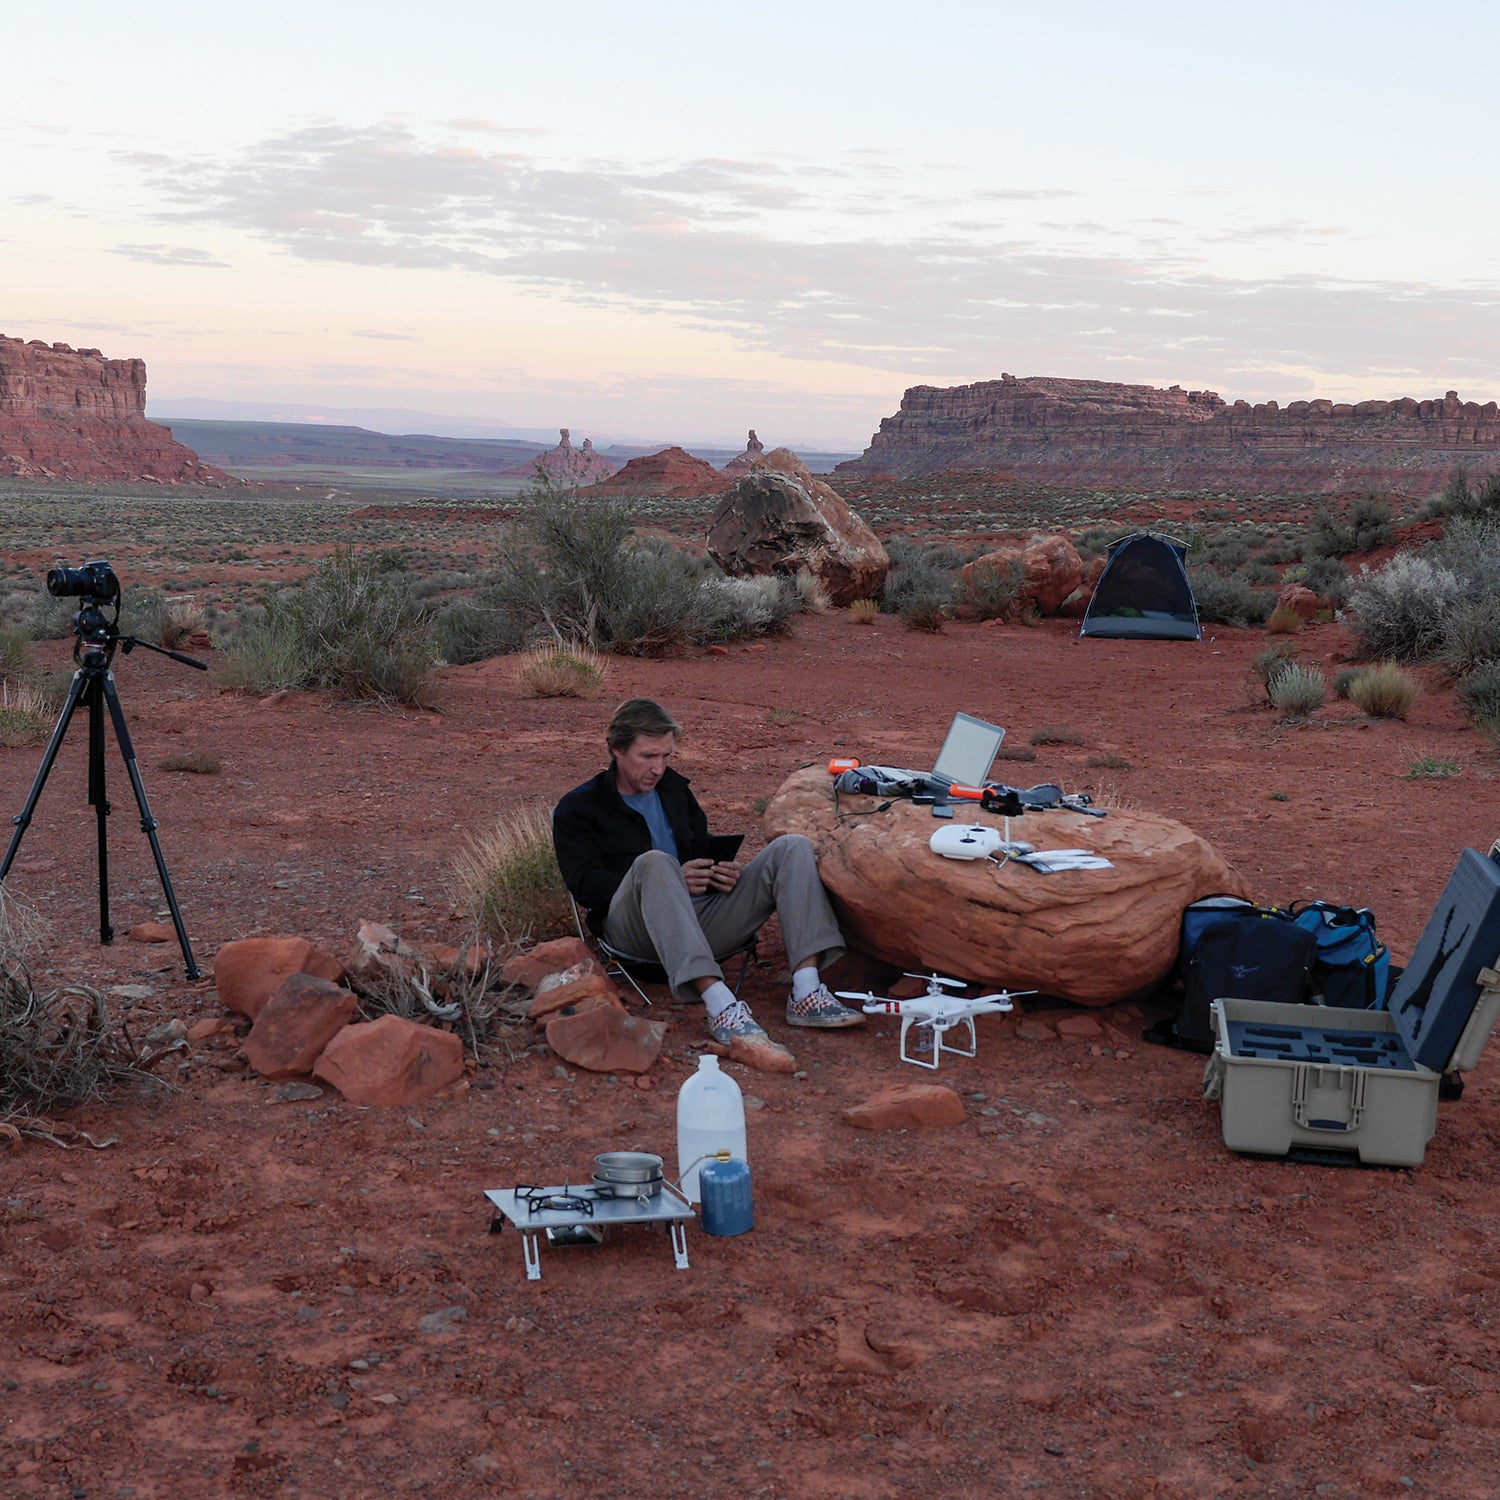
(177, 621)
(1107, 760)
(508, 878)
(920, 583)
(1385, 691)
(1325, 576)
(1343, 680)
(1471, 631)
(1260, 575)
(50, 619)
(864, 611)
(562, 671)
(1368, 524)
(1056, 734)
(24, 719)
(1431, 768)
(1297, 691)
(1228, 601)
(350, 629)
(1479, 694)
(1283, 621)
(731, 609)
(1399, 612)
(1463, 497)
(469, 630)
(807, 593)
(1270, 660)
(1227, 551)
(925, 613)
(992, 590)
(17, 659)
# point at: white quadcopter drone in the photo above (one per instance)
(937, 1009)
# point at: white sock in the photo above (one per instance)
(718, 997)
(804, 982)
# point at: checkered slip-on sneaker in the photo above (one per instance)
(821, 1011)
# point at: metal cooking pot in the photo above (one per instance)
(633, 1167)
(608, 1189)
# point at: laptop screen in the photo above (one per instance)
(968, 752)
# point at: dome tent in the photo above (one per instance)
(1144, 593)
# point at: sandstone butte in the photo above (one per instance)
(70, 413)
(565, 464)
(1097, 433)
(673, 471)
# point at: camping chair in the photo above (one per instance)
(635, 971)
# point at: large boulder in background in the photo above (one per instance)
(1090, 936)
(779, 519)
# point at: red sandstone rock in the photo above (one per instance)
(1100, 433)
(779, 519)
(152, 932)
(567, 465)
(296, 1023)
(1301, 601)
(558, 991)
(72, 414)
(1050, 565)
(390, 1061)
(1090, 936)
(1079, 1028)
(908, 1106)
(530, 968)
(247, 970)
(749, 459)
(604, 1039)
(673, 471)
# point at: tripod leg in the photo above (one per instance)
(148, 823)
(99, 801)
(22, 819)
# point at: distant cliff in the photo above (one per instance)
(1096, 433)
(72, 414)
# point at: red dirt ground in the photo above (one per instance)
(1078, 1292)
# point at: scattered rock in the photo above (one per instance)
(1050, 567)
(572, 988)
(296, 1023)
(152, 932)
(390, 1061)
(210, 1026)
(298, 1091)
(1078, 1028)
(248, 970)
(131, 992)
(908, 1106)
(1035, 1031)
(381, 956)
(443, 1320)
(530, 968)
(604, 1039)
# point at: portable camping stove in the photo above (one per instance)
(568, 1215)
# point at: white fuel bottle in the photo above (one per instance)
(710, 1118)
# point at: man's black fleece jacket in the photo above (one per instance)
(598, 838)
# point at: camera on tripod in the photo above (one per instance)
(94, 580)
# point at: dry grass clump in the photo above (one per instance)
(1056, 734)
(199, 762)
(1284, 621)
(864, 611)
(1385, 692)
(24, 719)
(508, 878)
(561, 671)
(181, 619)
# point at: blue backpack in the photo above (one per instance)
(1352, 967)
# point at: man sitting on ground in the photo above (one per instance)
(631, 845)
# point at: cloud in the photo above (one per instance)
(862, 264)
(376, 333)
(169, 255)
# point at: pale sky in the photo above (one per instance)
(679, 221)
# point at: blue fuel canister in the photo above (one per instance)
(728, 1207)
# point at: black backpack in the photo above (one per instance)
(1249, 953)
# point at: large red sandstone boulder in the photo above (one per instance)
(778, 519)
(1050, 569)
(908, 1106)
(390, 1061)
(604, 1039)
(1302, 602)
(1090, 936)
(296, 1023)
(247, 970)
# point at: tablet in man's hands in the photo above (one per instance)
(723, 847)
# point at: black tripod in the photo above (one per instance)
(94, 687)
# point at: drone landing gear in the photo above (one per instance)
(938, 1030)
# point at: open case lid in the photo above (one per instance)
(1436, 993)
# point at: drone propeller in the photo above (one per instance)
(953, 984)
(865, 995)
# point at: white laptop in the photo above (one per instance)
(967, 755)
